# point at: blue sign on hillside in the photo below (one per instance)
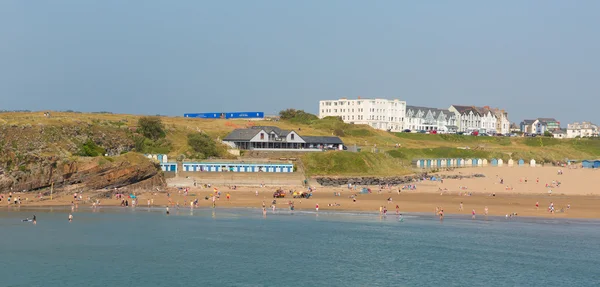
(245, 115)
(236, 115)
(205, 115)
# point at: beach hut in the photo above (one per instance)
(440, 162)
(165, 160)
(421, 163)
(494, 162)
(587, 164)
(511, 162)
(474, 162)
(521, 162)
(484, 162)
(532, 163)
(449, 162)
(458, 162)
(428, 163)
(597, 164)
(500, 162)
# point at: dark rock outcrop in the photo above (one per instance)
(337, 181)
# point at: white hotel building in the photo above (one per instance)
(378, 113)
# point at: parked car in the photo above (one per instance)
(422, 131)
(406, 131)
(434, 132)
(460, 133)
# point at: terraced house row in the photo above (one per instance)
(395, 115)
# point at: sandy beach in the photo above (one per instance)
(520, 190)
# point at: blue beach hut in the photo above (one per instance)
(587, 164)
(494, 162)
(597, 164)
(521, 162)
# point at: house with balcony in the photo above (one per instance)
(274, 138)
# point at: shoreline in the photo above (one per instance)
(347, 212)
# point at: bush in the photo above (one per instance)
(151, 127)
(297, 116)
(145, 145)
(90, 148)
(203, 145)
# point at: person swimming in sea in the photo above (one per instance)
(167, 210)
(70, 217)
(34, 219)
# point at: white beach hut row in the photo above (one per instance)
(469, 162)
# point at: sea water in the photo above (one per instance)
(240, 247)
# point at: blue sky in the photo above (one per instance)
(532, 58)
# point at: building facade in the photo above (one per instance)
(540, 126)
(380, 114)
(502, 122)
(583, 129)
(430, 119)
(274, 138)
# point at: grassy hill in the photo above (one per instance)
(387, 160)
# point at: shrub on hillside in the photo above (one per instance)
(203, 145)
(151, 127)
(90, 148)
(297, 116)
(145, 145)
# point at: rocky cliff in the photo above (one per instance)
(32, 157)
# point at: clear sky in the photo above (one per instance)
(532, 58)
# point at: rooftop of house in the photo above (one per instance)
(466, 109)
(249, 133)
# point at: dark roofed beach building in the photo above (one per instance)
(274, 138)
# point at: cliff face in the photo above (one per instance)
(34, 157)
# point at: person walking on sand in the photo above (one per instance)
(228, 196)
(485, 211)
(148, 203)
(473, 214)
(537, 205)
(317, 207)
(461, 206)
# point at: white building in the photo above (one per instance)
(430, 119)
(502, 122)
(380, 114)
(583, 129)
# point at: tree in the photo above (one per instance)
(547, 134)
(202, 143)
(151, 127)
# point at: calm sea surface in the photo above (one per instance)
(125, 247)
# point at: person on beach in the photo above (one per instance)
(70, 217)
(228, 196)
(441, 214)
(213, 201)
(485, 211)
(537, 205)
(461, 206)
(148, 203)
(397, 209)
(473, 214)
(317, 207)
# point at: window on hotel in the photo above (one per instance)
(292, 136)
